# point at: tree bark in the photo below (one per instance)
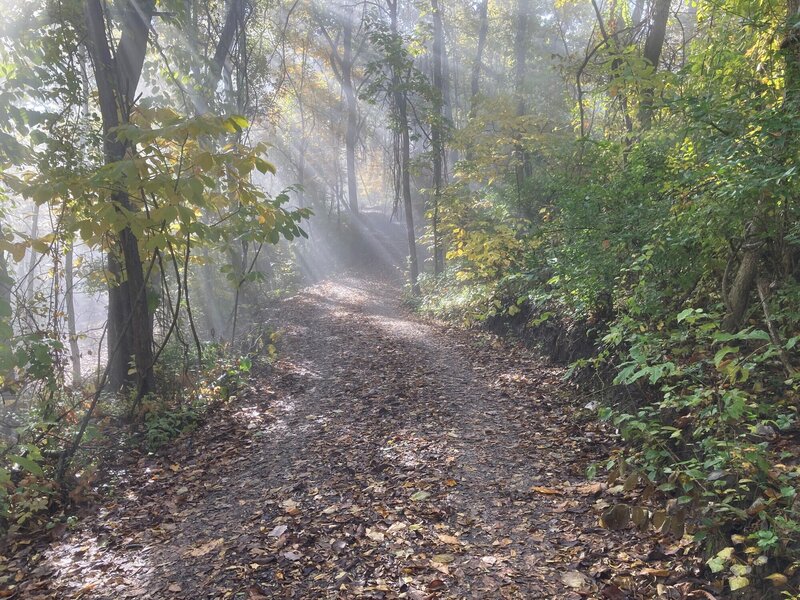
(437, 135)
(477, 64)
(5, 284)
(737, 298)
(401, 107)
(351, 136)
(652, 54)
(69, 300)
(224, 44)
(130, 330)
(522, 165)
(30, 275)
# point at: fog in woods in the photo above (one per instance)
(199, 196)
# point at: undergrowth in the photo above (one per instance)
(32, 496)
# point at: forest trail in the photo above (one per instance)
(382, 457)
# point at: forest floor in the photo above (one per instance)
(380, 457)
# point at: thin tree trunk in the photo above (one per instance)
(762, 285)
(652, 54)
(405, 157)
(477, 64)
(522, 165)
(448, 99)
(30, 275)
(351, 135)
(437, 135)
(224, 44)
(5, 285)
(69, 299)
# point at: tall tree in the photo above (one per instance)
(437, 134)
(117, 72)
(400, 70)
(477, 63)
(521, 44)
(737, 295)
(342, 62)
(652, 54)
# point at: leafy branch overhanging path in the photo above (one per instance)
(382, 458)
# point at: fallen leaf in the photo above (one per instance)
(656, 572)
(375, 535)
(395, 527)
(737, 582)
(540, 489)
(575, 579)
(254, 592)
(448, 539)
(616, 517)
(590, 489)
(421, 495)
(443, 559)
(777, 579)
(278, 531)
(206, 548)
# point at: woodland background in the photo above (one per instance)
(613, 181)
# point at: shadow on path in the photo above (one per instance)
(383, 457)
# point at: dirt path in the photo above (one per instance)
(382, 458)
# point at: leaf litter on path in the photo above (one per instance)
(390, 458)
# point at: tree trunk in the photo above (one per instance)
(5, 284)
(448, 100)
(30, 275)
(405, 157)
(351, 136)
(652, 54)
(437, 136)
(522, 165)
(477, 64)
(224, 44)
(69, 299)
(737, 298)
(130, 330)
(791, 52)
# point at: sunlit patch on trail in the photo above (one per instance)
(253, 416)
(403, 328)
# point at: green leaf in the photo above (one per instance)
(737, 582)
(265, 166)
(27, 464)
(722, 353)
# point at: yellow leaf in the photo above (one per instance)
(545, 490)
(206, 548)
(448, 539)
(737, 583)
(777, 579)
